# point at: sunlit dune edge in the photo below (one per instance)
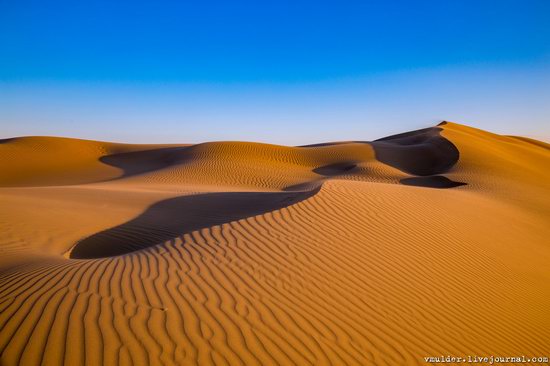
(432, 242)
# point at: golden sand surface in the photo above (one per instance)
(433, 242)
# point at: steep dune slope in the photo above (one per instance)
(48, 161)
(504, 167)
(234, 253)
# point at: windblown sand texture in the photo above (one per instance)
(232, 253)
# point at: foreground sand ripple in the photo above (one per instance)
(251, 254)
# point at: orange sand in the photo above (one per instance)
(234, 253)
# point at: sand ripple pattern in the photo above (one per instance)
(345, 267)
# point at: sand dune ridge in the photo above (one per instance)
(232, 253)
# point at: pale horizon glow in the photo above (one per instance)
(499, 101)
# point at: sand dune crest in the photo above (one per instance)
(236, 253)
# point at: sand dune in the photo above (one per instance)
(231, 253)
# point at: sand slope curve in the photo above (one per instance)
(234, 253)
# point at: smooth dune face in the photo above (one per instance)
(433, 242)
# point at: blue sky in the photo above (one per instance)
(284, 72)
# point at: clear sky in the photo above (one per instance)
(291, 72)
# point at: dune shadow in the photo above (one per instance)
(336, 169)
(174, 217)
(434, 181)
(422, 152)
(143, 161)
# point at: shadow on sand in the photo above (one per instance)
(422, 152)
(433, 181)
(336, 169)
(174, 217)
(144, 161)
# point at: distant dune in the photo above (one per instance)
(428, 243)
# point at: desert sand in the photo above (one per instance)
(433, 242)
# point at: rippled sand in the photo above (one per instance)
(232, 253)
